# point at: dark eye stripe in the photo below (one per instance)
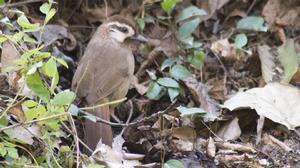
(121, 29)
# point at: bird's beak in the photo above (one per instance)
(139, 38)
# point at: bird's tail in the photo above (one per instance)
(96, 131)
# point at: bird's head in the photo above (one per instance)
(120, 29)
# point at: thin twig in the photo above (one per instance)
(32, 121)
(74, 133)
(104, 104)
(106, 8)
(98, 119)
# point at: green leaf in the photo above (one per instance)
(168, 5)
(155, 92)
(3, 122)
(54, 83)
(187, 28)
(50, 15)
(168, 82)
(2, 2)
(151, 75)
(34, 68)
(141, 23)
(3, 150)
(74, 110)
(173, 93)
(190, 12)
(25, 24)
(167, 63)
(18, 36)
(34, 113)
(255, 23)
(12, 152)
(35, 83)
(172, 163)
(179, 72)
(197, 59)
(189, 111)
(62, 62)
(30, 103)
(288, 57)
(240, 40)
(50, 68)
(64, 98)
(3, 39)
(29, 39)
(45, 8)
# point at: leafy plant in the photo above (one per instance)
(37, 67)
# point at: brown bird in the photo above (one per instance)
(104, 73)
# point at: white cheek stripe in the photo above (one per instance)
(130, 29)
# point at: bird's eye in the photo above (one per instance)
(123, 29)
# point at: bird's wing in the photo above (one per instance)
(102, 70)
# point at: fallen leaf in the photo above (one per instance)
(211, 148)
(200, 95)
(230, 131)
(267, 60)
(223, 48)
(279, 103)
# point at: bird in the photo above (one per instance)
(104, 74)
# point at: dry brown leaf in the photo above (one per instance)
(230, 131)
(269, 139)
(211, 6)
(200, 95)
(223, 48)
(211, 148)
(26, 134)
(280, 103)
(235, 147)
(267, 60)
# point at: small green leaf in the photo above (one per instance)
(34, 113)
(190, 12)
(18, 36)
(168, 82)
(64, 98)
(29, 39)
(3, 122)
(197, 59)
(25, 24)
(45, 8)
(3, 39)
(141, 23)
(62, 62)
(240, 40)
(30, 103)
(172, 163)
(34, 68)
(3, 150)
(288, 57)
(35, 83)
(167, 63)
(255, 23)
(50, 67)
(12, 152)
(187, 28)
(179, 72)
(54, 82)
(64, 149)
(168, 5)
(173, 93)
(74, 110)
(50, 15)
(155, 92)
(189, 111)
